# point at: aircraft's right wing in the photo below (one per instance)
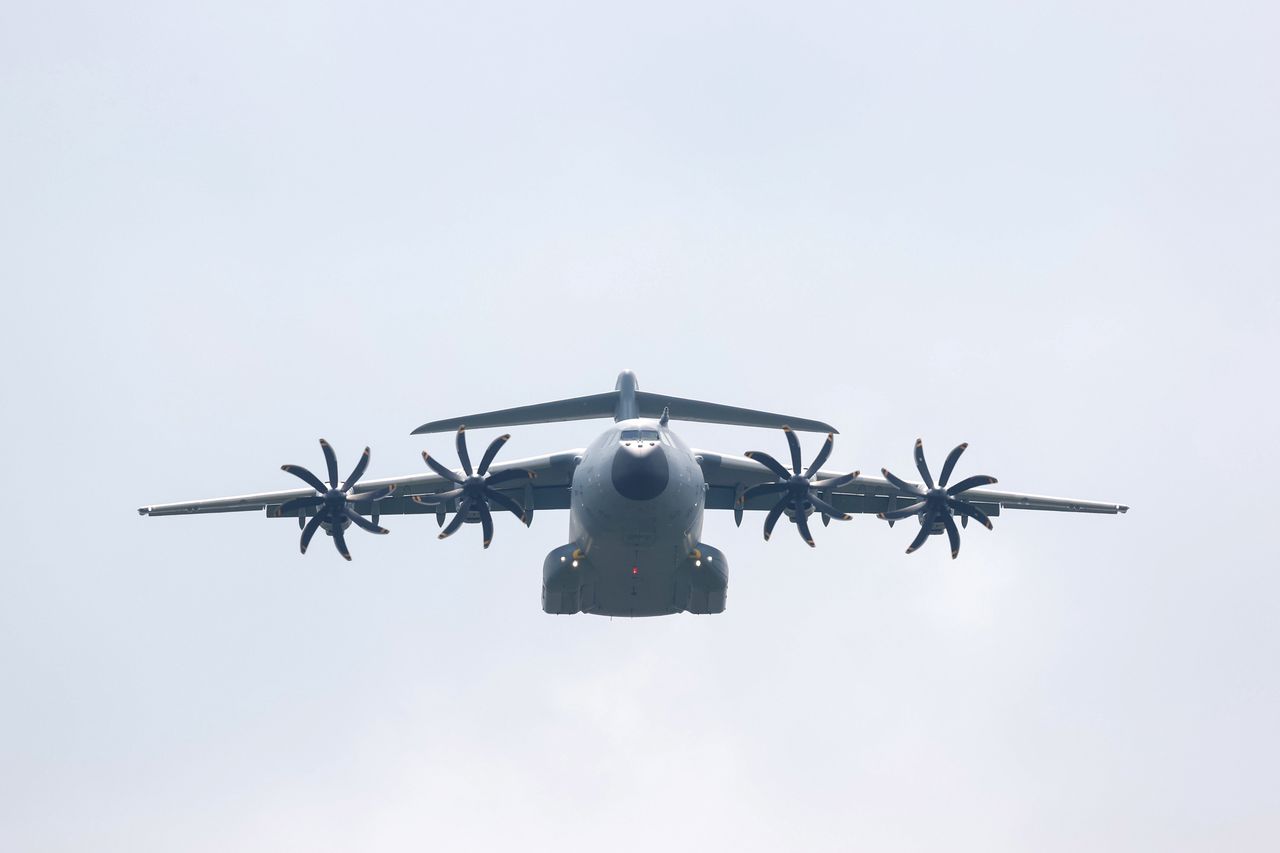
(548, 489)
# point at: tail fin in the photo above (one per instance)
(624, 403)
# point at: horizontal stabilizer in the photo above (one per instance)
(652, 406)
(573, 409)
(627, 402)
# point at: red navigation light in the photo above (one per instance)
(635, 570)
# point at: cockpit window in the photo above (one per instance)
(639, 435)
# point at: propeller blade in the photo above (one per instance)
(968, 510)
(921, 465)
(794, 444)
(357, 472)
(375, 495)
(362, 522)
(464, 507)
(971, 483)
(463, 456)
(769, 462)
(310, 530)
(774, 514)
(948, 465)
(340, 542)
(827, 509)
(306, 476)
(486, 522)
(288, 507)
(762, 489)
(440, 469)
(923, 535)
(331, 462)
(508, 475)
(953, 535)
(823, 455)
(905, 512)
(835, 482)
(490, 452)
(902, 484)
(802, 524)
(440, 498)
(506, 503)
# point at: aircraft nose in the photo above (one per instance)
(640, 473)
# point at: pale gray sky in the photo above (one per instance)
(1046, 229)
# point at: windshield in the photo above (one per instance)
(639, 435)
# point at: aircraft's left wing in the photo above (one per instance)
(728, 476)
(548, 489)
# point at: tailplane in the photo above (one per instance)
(626, 401)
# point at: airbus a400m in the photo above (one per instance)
(636, 498)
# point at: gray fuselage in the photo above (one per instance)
(635, 522)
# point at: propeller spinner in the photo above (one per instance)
(800, 493)
(938, 503)
(332, 505)
(474, 491)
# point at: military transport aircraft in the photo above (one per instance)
(636, 497)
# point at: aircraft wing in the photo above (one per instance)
(727, 476)
(548, 489)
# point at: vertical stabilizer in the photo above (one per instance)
(627, 386)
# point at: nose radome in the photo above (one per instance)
(640, 474)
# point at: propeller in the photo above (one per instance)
(475, 491)
(333, 505)
(800, 493)
(939, 503)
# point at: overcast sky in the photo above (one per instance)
(1049, 230)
